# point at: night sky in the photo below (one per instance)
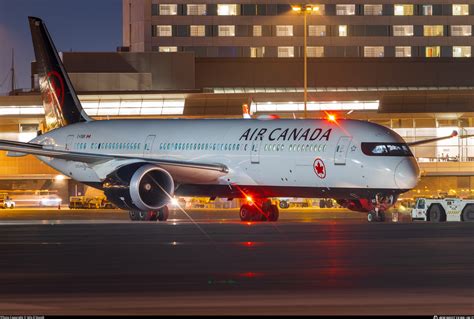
(74, 25)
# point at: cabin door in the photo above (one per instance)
(255, 152)
(69, 141)
(148, 144)
(341, 150)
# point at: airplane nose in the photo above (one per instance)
(407, 173)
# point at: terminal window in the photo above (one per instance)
(168, 49)
(163, 31)
(460, 9)
(433, 30)
(427, 10)
(461, 30)
(373, 52)
(345, 9)
(226, 30)
(403, 30)
(403, 9)
(286, 52)
(315, 52)
(227, 10)
(168, 9)
(343, 30)
(373, 9)
(284, 30)
(317, 30)
(403, 52)
(257, 52)
(197, 30)
(257, 30)
(433, 52)
(461, 51)
(196, 9)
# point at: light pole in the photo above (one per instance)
(305, 9)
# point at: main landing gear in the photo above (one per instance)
(161, 214)
(259, 210)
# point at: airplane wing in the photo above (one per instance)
(20, 148)
(430, 140)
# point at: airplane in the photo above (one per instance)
(141, 164)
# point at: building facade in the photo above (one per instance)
(273, 28)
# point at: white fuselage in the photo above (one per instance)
(304, 158)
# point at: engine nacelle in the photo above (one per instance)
(139, 186)
(151, 187)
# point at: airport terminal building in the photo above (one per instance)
(406, 66)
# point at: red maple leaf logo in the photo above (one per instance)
(319, 168)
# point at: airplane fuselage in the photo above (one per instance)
(267, 158)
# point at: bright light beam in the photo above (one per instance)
(181, 209)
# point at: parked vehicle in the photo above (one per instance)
(96, 202)
(445, 209)
(6, 201)
(50, 201)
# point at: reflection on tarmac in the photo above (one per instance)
(309, 263)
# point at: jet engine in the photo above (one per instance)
(151, 187)
(139, 186)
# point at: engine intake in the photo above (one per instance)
(151, 187)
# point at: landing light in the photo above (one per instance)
(174, 202)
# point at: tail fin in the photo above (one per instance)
(61, 105)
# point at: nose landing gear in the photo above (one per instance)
(376, 216)
(380, 204)
(259, 210)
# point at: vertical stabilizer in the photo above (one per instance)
(61, 105)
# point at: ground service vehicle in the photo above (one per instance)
(96, 202)
(6, 201)
(446, 209)
(77, 202)
(50, 200)
(99, 202)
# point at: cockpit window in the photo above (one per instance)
(386, 149)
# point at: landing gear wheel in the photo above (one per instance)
(468, 214)
(371, 217)
(246, 213)
(163, 214)
(146, 216)
(381, 216)
(154, 216)
(284, 204)
(133, 215)
(273, 214)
